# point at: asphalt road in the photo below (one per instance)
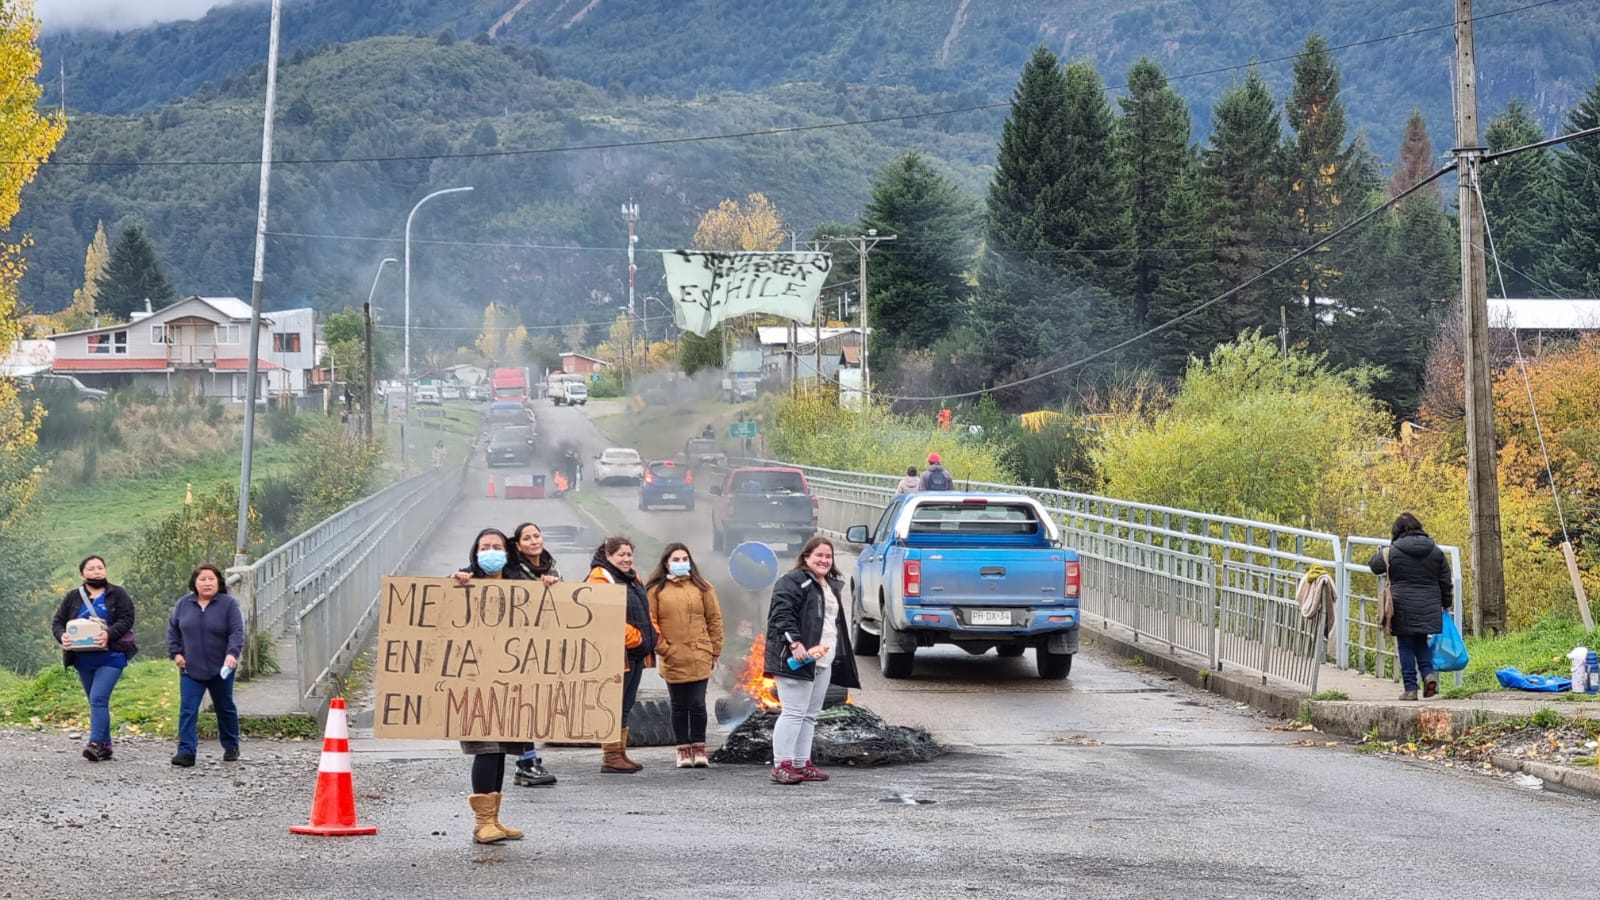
(1114, 783)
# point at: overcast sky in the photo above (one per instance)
(118, 14)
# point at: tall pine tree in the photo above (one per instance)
(1415, 161)
(1573, 264)
(1321, 174)
(132, 276)
(1154, 155)
(1188, 279)
(917, 285)
(1243, 169)
(1016, 275)
(1516, 201)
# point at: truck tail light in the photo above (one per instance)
(688, 478)
(913, 578)
(1072, 581)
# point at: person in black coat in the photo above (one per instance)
(99, 668)
(806, 623)
(1420, 582)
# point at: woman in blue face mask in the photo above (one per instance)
(490, 558)
(684, 608)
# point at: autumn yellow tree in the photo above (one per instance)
(754, 225)
(26, 140)
(502, 336)
(81, 313)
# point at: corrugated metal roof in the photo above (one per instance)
(1544, 314)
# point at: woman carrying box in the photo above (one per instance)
(100, 666)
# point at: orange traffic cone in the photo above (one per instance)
(491, 485)
(333, 807)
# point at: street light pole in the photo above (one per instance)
(252, 367)
(405, 455)
(366, 312)
(630, 212)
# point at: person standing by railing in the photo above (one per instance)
(909, 484)
(1422, 588)
(205, 636)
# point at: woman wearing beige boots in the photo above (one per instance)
(684, 608)
(613, 564)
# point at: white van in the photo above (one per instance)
(575, 393)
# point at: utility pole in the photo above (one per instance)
(862, 246)
(630, 212)
(1483, 491)
(794, 331)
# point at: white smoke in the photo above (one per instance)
(118, 15)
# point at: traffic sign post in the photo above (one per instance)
(742, 430)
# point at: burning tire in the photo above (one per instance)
(731, 708)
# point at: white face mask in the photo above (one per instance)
(679, 568)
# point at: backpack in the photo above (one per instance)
(940, 480)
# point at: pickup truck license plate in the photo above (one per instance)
(990, 616)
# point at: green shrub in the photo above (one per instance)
(284, 425)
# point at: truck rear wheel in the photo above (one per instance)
(863, 642)
(1053, 666)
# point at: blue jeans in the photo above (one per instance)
(1415, 658)
(190, 692)
(98, 683)
(630, 687)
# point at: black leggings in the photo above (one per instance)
(488, 772)
(688, 711)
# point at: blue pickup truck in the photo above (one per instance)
(975, 570)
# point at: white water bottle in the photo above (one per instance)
(226, 671)
(1579, 658)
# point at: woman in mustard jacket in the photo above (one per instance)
(684, 607)
(613, 564)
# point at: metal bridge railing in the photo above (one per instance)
(1217, 586)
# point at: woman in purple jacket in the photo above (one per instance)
(205, 636)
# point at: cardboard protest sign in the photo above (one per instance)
(499, 660)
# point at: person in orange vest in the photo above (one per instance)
(613, 564)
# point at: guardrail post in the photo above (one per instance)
(245, 593)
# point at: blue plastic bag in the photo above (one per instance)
(1513, 678)
(1449, 650)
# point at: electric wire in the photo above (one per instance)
(1522, 362)
(756, 133)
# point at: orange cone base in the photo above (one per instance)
(334, 830)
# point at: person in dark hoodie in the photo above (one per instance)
(205, 636)
(100, 668)
(935, 477)
(489, 558)
(1420, 582)
(613, 564)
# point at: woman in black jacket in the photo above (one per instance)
(99, 667)
(1420, 582)
(806, 624)
(613, 564)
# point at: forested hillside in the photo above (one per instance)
(543, 227)
(1543, 54)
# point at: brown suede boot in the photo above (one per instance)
(512, 834)
(485, 830)
(625, 758)
(612, 762)
(701, 761)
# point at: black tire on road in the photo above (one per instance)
(1053, 666)
(1010, 652)
(650, 723)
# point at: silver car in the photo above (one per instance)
(618, 464)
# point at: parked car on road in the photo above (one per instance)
(973, 570)
(429, 395)
(618, 464)
(450, 392)
(510, 446)
(49, 381)
(773, 504)
(667, 483)
(704, 452)
(507, 412)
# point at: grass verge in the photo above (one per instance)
(1540, 650)
(145, 702)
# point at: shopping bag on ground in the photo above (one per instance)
(1513, 678)
(1449, 650)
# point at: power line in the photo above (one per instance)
(768, 132)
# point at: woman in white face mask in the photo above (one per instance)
(490, 559)
(689, 644)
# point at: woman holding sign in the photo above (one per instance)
(684, 605)
(808, 648)
(490, 559)
(99, 662)
(613, 564)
